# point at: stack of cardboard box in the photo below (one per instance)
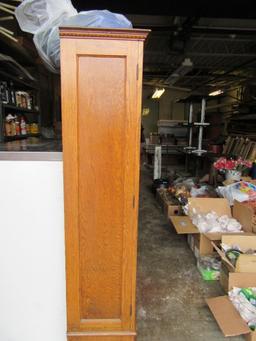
(226, 315)
(242, 274)
(169, 207)
(245, 264)
(201, 243)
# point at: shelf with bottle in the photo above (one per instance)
(18, 103)
(18, 127)
(19, 109)
(16, 98)
(20, 137)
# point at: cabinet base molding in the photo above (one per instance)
(103, 336)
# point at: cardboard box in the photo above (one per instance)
(245, 214)
(190, 241)
(193, 242)
(225, 275)
(245, 264)
(184, 225)
(203, 242)
(168, 207)
(200, 244)
(226, 315)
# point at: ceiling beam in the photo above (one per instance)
(167, 67)
(224, 30)
(229, 38)
(213, 54)
(231, 69)
(220, 54)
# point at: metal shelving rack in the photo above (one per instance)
(190, 150)
(19, 84)
(201, 125)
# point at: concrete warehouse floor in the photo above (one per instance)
(170, 291)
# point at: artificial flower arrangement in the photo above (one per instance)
(239, 165)
(232, 169)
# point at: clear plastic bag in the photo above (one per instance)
(33, 15)
(209, 267)
(244, 305)
(83, 19)
(240, 191)
(44, 17)
(210, 222)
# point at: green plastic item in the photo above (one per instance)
(209, 267)
(252, 326)
(249, 294)
(209, 275)
(233, 255)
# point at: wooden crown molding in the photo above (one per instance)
(106, 33)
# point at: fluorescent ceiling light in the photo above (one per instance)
(181, 71)
(216, 93)
(158, 93)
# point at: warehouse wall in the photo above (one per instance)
(149, 121)
(220, 110)
(163, 109)
(168, 108)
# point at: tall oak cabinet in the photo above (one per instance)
(101, 79)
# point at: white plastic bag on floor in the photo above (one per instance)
(44, 17)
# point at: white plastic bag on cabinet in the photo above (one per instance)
(83, 19)
(44, 17)
(32, 15)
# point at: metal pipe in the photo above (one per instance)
(200, 136)
(7, 5)
(7, 18)
(190, 121)
(6, 31)
(8, 36)
(248, 62)
(4, 9)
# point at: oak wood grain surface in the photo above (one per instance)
(101, 338)
(101, 108)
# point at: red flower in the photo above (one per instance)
(222, 163)
(230, 164)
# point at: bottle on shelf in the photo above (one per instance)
(28, 127)
(8, 125)
(13, 125)
(34, 128)
(4, 93)
(12, 94)
(29, 101)
(23, 126)
(17, 124)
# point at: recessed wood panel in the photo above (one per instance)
(101, 140)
